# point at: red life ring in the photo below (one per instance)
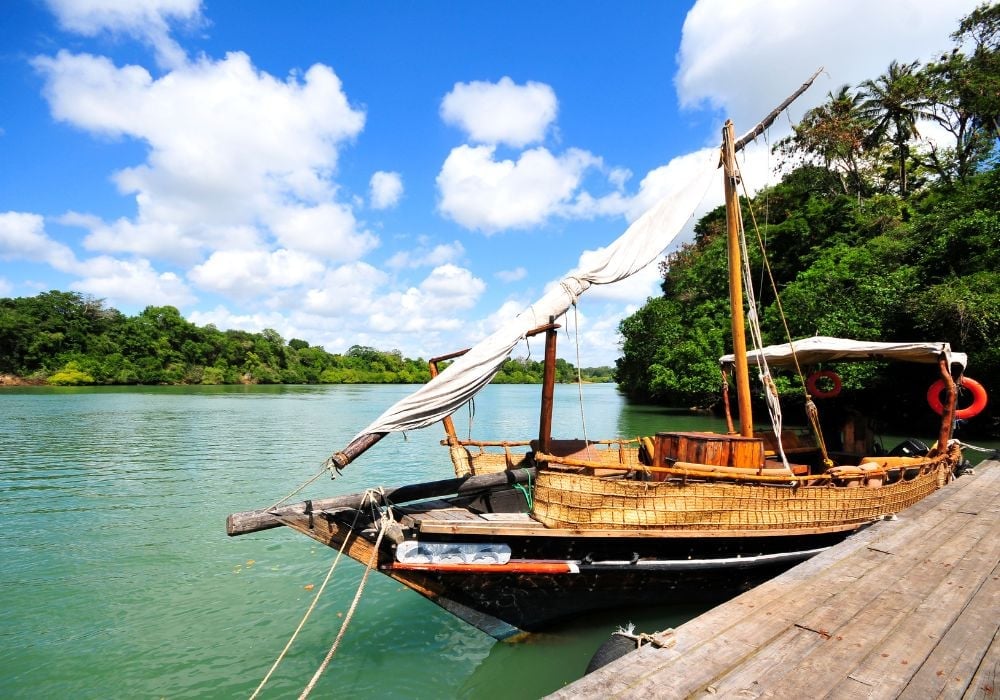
(974, 409)
(812, 384)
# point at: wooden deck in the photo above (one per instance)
(909, 608)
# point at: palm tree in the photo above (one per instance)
(894, 102)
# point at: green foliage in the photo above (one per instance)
(70, 375)
(878, 269)
(72, 339)
(527, 371)
(873, 236)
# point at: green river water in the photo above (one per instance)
(117, 578)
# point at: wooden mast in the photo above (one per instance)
(735, 279)
(548, 389)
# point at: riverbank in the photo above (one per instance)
(14, 380)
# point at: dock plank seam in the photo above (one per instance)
(918, 633)
(948, 670)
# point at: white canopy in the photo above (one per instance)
(641, 244)
(811, 351)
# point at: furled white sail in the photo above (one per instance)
(810, 351)
(641, 244)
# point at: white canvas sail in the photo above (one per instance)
(641, 244)
(810, 351)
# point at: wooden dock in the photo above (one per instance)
(909, 608)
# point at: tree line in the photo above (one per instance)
(872, 234)
(66, 338)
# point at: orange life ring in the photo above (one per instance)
(979, 398)
(812, 384)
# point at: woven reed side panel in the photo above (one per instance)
(566, 500)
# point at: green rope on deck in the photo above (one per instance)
(526, 490)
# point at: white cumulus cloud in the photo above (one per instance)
(230, 147)
(385, 189)
(480, 192)
(147, 20)
(427, 256)
(223, 318)
(132, 282)
(351, 289)
(328, 230)
(502, 112)
(23, 237)
(742, 58)
(428, 307)
(518, 273)
(246, 274)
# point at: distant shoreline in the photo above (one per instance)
(12, 380)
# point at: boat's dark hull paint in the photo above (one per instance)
(503, 605)
(605, 573)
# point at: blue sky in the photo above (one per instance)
(396, 174)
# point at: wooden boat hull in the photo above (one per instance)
(552, 577)
(586, 543)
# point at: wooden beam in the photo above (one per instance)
(267, 518)
(769, 119)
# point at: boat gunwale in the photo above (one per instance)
(441, 527)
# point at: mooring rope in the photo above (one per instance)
(386, 518)
(974, 448)
(305, 617)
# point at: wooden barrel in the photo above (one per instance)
(712, 449)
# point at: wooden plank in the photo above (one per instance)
(511, 519)
(985, 683)
(721, 638)
(744, 678)
(826, 652)
(717, 641)
(858, 631)
(891, 666)
(958, 655)
(861, 619)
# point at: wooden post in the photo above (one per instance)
(725, 402)
(447, 422)
(735, 280)
(948, 414)
(548, 388)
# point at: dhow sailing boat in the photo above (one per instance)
(536, 528)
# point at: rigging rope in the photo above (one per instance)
(811, 411)
(579, 378)
(326, 467)
(383, 526)
(753, 322)
(967, 446)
